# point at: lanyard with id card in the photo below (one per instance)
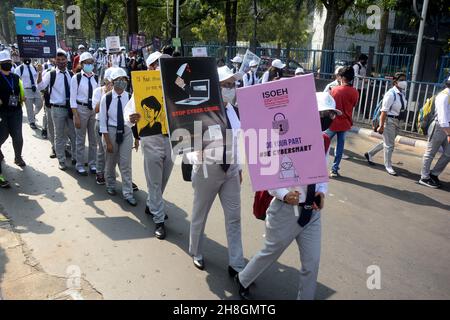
(13, 98)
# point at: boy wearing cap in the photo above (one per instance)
(251, 78)
(283, 226)
(82, 87)
(59, 106)
(11, 98)
(76, 59)
(275, 72)
(115, 126)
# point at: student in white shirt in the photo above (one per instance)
(438, 136)
(251, 78)
(115, 125)
(33, 102)
(82, 88)
(275, 72)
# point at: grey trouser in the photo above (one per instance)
(157, 167)
(87, 121)
(281, 229)
(391, 130)
(64, 127)
(100, 161)
(48, 124)
(436, 138)
(33, 104)
(121, 155)
(228, 187)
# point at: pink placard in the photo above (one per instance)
(295, 154)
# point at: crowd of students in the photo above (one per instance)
(82, 103)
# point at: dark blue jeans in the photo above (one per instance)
(339, 147)
(11, 125)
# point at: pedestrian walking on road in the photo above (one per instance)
(394, 106)
(438, 136)
(251, 78)
(275, 72)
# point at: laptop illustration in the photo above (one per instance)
(199, 93)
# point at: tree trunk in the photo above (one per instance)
(382, 38)
(100, 14)
(4, 17)
(174, 19)
(230, 24)
(329, 31)
(132, 15)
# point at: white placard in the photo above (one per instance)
(113, 44)
(200, 52)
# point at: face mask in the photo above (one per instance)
(402, 85)
(120, 84)
(228, 95)
(27, 61)
(88, 68)
(6, 66)
(325, 122)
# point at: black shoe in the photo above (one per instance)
(160, 231)
(244, 293)
(67, 153)
(33, 126)
(147, 211)
(20, 162)
(232, 272)
(366, 155)
(135, 187)
(428, 183)
(53, 154)
(436, 180)
(199, 264)
(44, 134)
(62, 166)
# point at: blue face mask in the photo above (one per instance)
(88, 68)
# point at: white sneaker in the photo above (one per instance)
(391, 171)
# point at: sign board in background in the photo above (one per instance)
(248, 57)
(290, 106)
(36, 32)
(113, 44)
(200, 52)
(149, 101)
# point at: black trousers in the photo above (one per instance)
(11, 125)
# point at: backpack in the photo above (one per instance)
(262, 199)
(426, 115)
(377, 112)
(79, 75)
(48, 91)
(22, 67)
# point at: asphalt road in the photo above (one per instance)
(370, 219)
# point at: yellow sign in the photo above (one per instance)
(149, 102)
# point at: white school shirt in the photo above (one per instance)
(250, 79)
(58, 95)
(25, 76)
(265, 77)
(80, 93)
(96, 98)
(393, 105)
(442, 105)
(110, 119)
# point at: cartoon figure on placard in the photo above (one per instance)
(198, 90)
(287, 168)
(154, 116)
(38, 31)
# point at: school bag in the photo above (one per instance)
(262, 199)
(426, 115)
(377, 112)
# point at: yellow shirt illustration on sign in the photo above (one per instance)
(149, 102)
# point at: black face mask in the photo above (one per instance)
(325, 123)
(6, 66)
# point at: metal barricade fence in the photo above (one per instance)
(372, 90)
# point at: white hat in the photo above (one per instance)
(225, 73)
(278, 64)
(153, 57)
(81, 47)
(326, 102)
(5, 56)
(122, 48)
(108, 72)
(253, 63)
(299, 71)
(91, 49)
(237, 59)
(118, 73)
(86, 56)
(61, 51)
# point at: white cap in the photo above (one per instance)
(299, 71)
(153, 57)
(61, 51)
(86, 56)
(81, 47)
(122, 48)
(237, 59)
(118, 73)
(108, 72)
(5, 56)
(253, 63)
(326, 102)
(91, 49)
(225, 73)
(278, 64)
(336, 71)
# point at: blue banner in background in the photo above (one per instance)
(36, 32)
